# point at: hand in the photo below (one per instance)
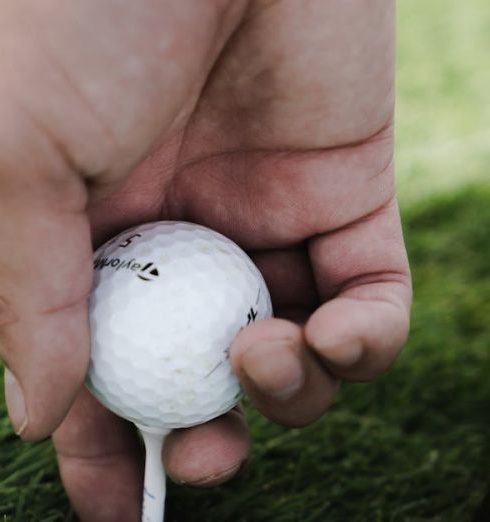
(269, 121)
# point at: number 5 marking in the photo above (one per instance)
(129, 240)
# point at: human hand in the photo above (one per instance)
(268, 121)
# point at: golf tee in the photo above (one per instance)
(154, 489)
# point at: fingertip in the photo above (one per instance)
(331, 341)
(266, 330)
(208, 454)
(357, 339)
(266, 358)
(273, 368)
(279, 373)
(49, 368)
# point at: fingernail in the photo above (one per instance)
(215, 479)
(274, 369)
(15, 402)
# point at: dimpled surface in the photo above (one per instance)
(168, 300)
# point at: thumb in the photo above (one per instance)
(45, 278)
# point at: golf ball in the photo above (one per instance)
(167, 301)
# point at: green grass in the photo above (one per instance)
(415, 445)
(443, 107)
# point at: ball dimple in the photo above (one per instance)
(168, 300)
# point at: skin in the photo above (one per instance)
(269, 121)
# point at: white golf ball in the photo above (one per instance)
(167, 301)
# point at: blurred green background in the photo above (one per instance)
(443, 104)
(415, 445)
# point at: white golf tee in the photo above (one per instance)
(154, 487)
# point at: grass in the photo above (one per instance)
(413, 446)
